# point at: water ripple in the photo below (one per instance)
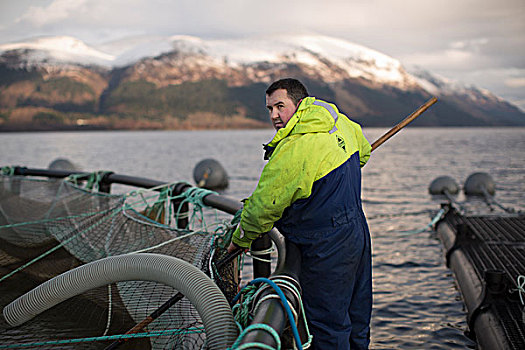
(416, 303)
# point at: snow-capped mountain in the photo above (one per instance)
(58, 50)
(326, 58)
(316, 52)
(313, 51)
(371, 86)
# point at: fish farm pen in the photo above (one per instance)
(486, 251)
(83, 268)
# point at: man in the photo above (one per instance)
(310, 189)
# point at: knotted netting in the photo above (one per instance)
(48, 227)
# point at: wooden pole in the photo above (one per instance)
(403, 123)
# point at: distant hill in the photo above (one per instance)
(60, 83)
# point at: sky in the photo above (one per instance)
(479, 42)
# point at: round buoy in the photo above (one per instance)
(442, 184)
(62, 164)
(210, 174)
(477, 184)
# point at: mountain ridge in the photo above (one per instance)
(168, 82)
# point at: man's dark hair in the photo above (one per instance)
(295, 89)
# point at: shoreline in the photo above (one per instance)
(95, 128)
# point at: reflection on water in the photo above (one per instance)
(416, 304)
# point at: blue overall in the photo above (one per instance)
(310, 189)
(331, 231)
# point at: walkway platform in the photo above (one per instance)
(487, 255)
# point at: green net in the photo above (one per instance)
(48, 227)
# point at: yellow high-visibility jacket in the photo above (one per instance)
(319, 151)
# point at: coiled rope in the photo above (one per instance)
(287, 309)
(255, 254)
(521, 288)
(8, 171)
(265, 327)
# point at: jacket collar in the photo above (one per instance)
(308, 118)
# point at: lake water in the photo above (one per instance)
(416, 303)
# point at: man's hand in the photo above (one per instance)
(233, 247)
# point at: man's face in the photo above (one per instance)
(281, 108)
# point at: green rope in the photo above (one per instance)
(248, 329)
(108, 337)
(44, 221)
(157, 206)
(221, 240)
(75, 178)
(241, 311)
(194, 196)
(225, 231)
(93, 180)
(8, 171)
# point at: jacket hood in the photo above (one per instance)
(308, 118)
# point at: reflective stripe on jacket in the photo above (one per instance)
(316, 142)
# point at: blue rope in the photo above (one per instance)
(284, 302)
(107, 337)
(432, 223)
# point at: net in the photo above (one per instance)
(48, 227)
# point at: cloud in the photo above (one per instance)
(473, 45)
(450, 59)
(508, 83)
(56, 11)
(453, 38)
(385, 25)
(515, 82)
